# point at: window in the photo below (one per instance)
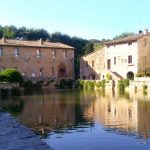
(52, 71)
(65, 54)
(86, 63)
(1, 52)
(129, 43)
(54, 54)
(92, 63)
(16, 52)
(38, 53)
(41, 71)
(129, 59)
(114, 60)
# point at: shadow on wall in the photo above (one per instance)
(88, 71)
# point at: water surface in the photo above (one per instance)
(85, 120)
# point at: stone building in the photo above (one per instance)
(127, 56)
(123, 58)
(91, 65)
(37, 58)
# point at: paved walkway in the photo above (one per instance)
(14, 136)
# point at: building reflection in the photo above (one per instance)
(128, 113)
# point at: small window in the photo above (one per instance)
(54, 54)
(65, 54)
(52, 71)
(16, 52)
(114, 60)
(41, 71)
(129, 43)
(38, 53)
(92, 63)
(129, 59)
(1, 52)
(86, 63)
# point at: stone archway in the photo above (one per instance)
(61, 70)
(130, 75)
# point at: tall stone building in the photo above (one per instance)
(37, 58)
(122, 58)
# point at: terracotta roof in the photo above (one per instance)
(34, 44)
(127, 39)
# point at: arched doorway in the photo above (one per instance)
(130, 75)
(61, 70)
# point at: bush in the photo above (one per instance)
(145, 87)
(28, 84)
(98, 84)
(108, 77)
(89, 84)
(121, 85)
(126, 83)
(65, 83)
(11, 75)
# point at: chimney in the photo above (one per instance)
(145, 31)
(3, 40)
(41, 41)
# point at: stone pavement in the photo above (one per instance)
(15, 136)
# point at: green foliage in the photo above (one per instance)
(89, 84)
(108, 77)
(145, 87)
(28, 84)
(100, 84)
(89, 47)
(123, 35)
(126, 83)
(9, 32)
(122, 84)
(11, 75)
(144, 73)
(64, 84)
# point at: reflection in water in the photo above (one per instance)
(75, 111)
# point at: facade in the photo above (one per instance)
(91, 65)
(37, 58)
(122, 58)
(128, 56)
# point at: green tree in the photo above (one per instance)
(89, 47)
(9, 32)
(11, 75)
(123, 35)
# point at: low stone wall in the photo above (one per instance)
(139, 82)
(8, 85)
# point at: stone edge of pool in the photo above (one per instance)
(14, 135)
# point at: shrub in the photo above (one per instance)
(121, 85)
(89, 84)
(108, 77)
(145, 87)
(11, 75)
(98, 84)
(65, 83)
(28, 84)
(126, 83)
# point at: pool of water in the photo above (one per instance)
(85, 120)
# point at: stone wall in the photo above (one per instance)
(30, 64)
(143, 53)
(91, 65)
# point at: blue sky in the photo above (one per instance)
(90, 19)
